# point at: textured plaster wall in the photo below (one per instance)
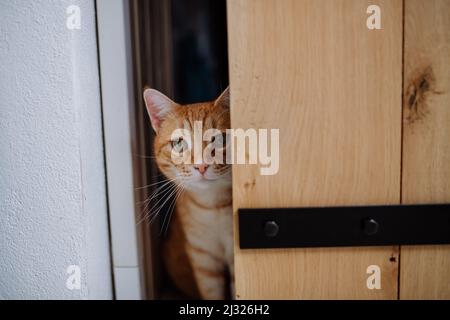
(53, 209)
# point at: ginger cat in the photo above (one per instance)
(198, 248)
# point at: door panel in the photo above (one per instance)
(312, 69)
(425, 270)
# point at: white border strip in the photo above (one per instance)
(114, 39)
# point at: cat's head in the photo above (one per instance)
(168, 118)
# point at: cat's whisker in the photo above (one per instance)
(162, 195)
(175, 191)
(157, 190)
(146, 201)
(155, 183)
(166, 193)
(171, 209)
(154, 215)
(154, 194)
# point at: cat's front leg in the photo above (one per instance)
(209, 274)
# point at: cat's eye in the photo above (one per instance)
(178, 145)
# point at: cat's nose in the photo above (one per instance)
(201, 167)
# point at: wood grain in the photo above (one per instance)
(312, 69)
(425, 270)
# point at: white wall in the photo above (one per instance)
(53, 209)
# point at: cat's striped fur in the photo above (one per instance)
(198, 248)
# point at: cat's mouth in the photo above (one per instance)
(206, 179)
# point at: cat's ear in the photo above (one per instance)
(224, 99)
(158, 106)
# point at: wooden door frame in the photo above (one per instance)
(152, 66)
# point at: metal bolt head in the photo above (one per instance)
(370, 227)
(271, 229)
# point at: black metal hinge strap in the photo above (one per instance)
(344, 226)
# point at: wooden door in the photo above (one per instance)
(312, 69)
(364, 118)
(425, 270)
